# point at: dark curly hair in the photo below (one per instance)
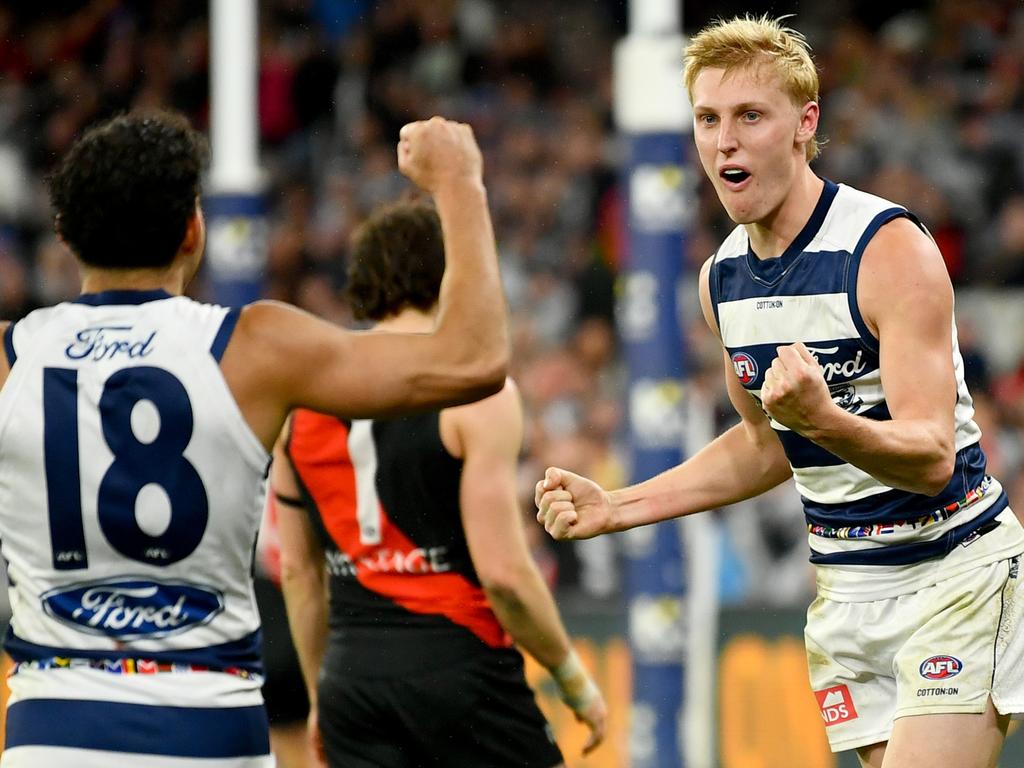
(126, 189)
(397, 261)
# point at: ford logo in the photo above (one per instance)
(129, 609)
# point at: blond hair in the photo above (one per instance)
(746, 40)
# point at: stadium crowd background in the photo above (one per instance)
(923, 103)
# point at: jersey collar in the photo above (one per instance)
(122, 297)
(770, 271)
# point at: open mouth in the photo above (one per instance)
(734, 175)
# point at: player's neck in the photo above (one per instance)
(770, 237)
(97, 280)
(409, 320)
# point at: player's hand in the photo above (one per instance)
(794, 392)
(583, 697)
(570, 506)
(435, 153)
(316, 744)
(595, 717)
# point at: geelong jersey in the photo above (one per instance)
(384, 497)
(130, 495)
(809, 294)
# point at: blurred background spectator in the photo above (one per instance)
(922, 103)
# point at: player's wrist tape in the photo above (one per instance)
(578, 690)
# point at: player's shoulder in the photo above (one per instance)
(733, 246)
(900, 265)
(851, 198)
(902, 252)
(276, 319)
(853, 218)
(273, 329)
(490, 426)
(704, 274)
(502, 409)
(21, 334)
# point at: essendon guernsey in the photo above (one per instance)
(384, 497)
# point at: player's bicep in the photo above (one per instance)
(916, 367)
(300, 550)
(490, 514)
(490, 433)
(367, 374)
(302, 361)
(754, 419)
(905, 293)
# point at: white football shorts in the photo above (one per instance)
(945, 648)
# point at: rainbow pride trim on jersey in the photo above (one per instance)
(129, 667)
(903, 526)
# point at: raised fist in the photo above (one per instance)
(436, 152)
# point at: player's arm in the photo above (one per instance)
(303, 577)
(744, 461)
(906, 298)
(280, 357)
(489, 434)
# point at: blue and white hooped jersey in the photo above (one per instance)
(131, 490)
(809, 294)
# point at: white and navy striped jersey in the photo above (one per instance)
(809, 294)
(131, 490)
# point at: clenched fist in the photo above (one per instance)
(436, 152)
(570, 506)
(794, 392)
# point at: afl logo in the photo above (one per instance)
(745, 367)
(941, 667)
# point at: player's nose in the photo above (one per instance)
(727, 139)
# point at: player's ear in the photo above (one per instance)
(195, 232)
(808, 125)
(58, 229)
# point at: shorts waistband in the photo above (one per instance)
(128, 667)
(902, 526)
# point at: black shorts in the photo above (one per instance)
(284, 690)
(479, 712)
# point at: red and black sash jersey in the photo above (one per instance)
(384, 497)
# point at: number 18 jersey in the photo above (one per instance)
(131, 489)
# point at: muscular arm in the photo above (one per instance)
(906, 298)
(302, 574)
(489, 433)
(280, 357)
(741, 463)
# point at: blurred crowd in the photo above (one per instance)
(923, 104)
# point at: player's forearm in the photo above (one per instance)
(527, 611)
(739, 464)
(914, 455)
(305, 595)
(472, 315)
